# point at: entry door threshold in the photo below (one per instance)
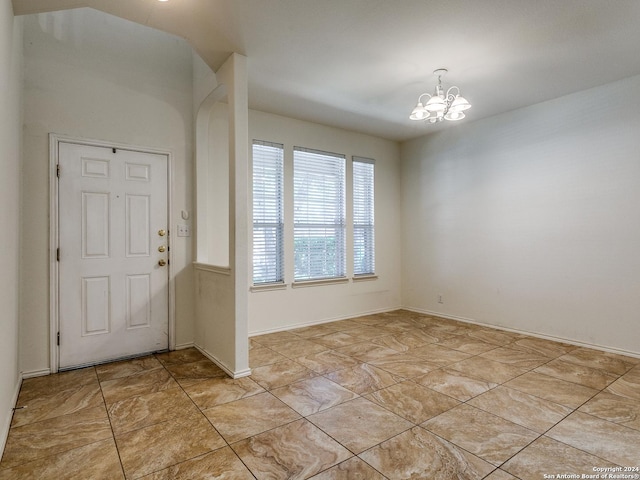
(113, 360)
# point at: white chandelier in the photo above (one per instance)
(441, 106)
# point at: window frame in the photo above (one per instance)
(363, 215)
(324, 172)
(277, 212)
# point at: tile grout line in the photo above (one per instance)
(42, 458)
(411, 379)
(113, 433)
(493, 388)
(303, 417)
(210, 423)
(532, 369)
(414, 425)
(544, 434)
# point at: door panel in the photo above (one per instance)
(138, 223)
(95, 225)
(138, 301)
(96, 293)
(113, 293)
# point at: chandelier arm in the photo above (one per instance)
(452, 88)
(420, 97)
(450, 98)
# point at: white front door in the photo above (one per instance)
(113, 238)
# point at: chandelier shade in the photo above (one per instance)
(435, 104)
(459, 104)
(419, 113)
(440, 105)
(453, 116)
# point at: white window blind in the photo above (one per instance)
(319, 214)
(268, 245)
(363, 217)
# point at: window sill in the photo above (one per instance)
(324, 281)
(365, 278)
(266, 287)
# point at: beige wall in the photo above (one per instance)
(529, 220)
(10, 161)
(94, 76)
(280, 309)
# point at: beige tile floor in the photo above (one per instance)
(397, 395)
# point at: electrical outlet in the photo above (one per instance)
(440, 299)
(184, 231)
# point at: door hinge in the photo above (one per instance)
(58, 170)
(58, 254)
(58, 338)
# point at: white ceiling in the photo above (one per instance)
(361, 64)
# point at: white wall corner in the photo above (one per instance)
(4, 429)
(233, 373)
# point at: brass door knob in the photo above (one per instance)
(162, 233)
(161, 248)
(162, 262)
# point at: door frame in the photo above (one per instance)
(54, 235)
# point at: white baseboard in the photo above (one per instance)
(6, 424)
(36, 373)
(184, 346)
(233, 374)
(553, 338)
(320, 322)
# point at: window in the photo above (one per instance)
(319, 214)
(363, 217)
(268, 245)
